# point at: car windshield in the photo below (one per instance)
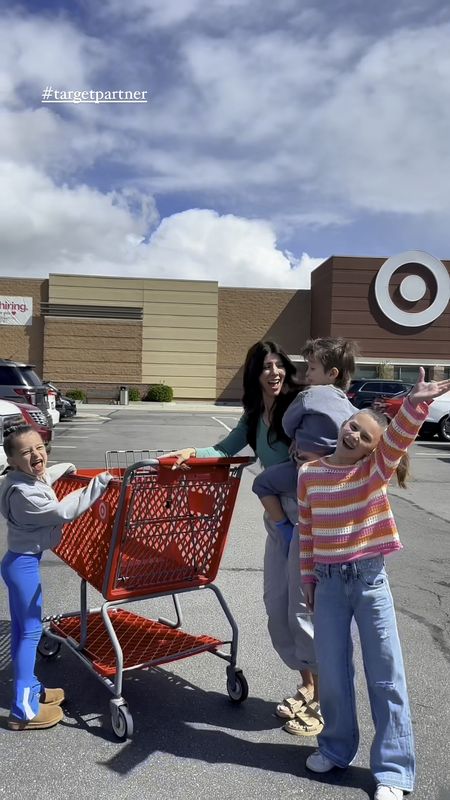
(29, 376)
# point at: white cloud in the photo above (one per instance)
(47, 228)
(389, 119)
(309, 123)
(201, 244)
(36, 51)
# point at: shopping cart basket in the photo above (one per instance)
(155, 532)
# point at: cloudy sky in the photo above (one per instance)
(275, 135)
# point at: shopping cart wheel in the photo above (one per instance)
(121, 721)
(48, 647)
(237, 686)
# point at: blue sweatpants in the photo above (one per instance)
(21, 574)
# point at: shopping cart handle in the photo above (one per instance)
(170, 461)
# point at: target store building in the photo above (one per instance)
(98, 333)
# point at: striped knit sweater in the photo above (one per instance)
(344, 511)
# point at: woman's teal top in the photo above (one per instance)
(237, 439)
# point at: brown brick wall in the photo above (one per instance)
(249, 315)
(89, 353)
(25, 342)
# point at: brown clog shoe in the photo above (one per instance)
(47, 717)
(52, 697)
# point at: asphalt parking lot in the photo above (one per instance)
(190, 741)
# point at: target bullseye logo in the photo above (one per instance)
(102, 510)
(413, 288)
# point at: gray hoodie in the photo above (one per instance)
(313, 419)
(33, 513)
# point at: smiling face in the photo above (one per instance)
(358, 436)
(317, 375)
(272, 375)
(29, 454)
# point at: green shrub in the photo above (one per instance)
(134, 395)
(159, 393)
(76, 394)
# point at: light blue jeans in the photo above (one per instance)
(360, 589)
(289, 622)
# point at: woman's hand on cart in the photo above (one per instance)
(181, 457)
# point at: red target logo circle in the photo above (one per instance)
(102, 511)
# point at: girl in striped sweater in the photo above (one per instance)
(346, 530)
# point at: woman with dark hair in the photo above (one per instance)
(270, 386)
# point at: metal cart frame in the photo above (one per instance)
(155, 533)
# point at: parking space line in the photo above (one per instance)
(64, 446)
(221, 423)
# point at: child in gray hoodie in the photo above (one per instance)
(35, 518)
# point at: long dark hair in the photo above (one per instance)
(252, 399)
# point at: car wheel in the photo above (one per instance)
(444, 429)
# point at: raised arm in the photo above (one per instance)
(405, 426)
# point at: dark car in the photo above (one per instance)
(19, 383)
(65, 405)
(363, 392)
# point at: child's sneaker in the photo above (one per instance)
(388, 793)
(47, 716)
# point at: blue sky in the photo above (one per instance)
(274, 136)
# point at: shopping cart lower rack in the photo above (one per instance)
(156, 532)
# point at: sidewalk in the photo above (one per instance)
(179, 406)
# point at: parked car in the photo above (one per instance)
(36, 418)
(52, 411)
(19, 383)
(65, 405)
(9, 415)
(437, 422)
(363, 392)
(17, 414)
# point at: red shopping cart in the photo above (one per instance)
(156, 532)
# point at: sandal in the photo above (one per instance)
(309, 722)
(294, 705)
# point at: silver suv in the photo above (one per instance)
(20, 384)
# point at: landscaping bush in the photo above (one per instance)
(76, 394)
(160, 393)
(134, 395)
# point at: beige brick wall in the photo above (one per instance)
(25, 342)
(89, 290)
(92, 351)
(179, 337)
